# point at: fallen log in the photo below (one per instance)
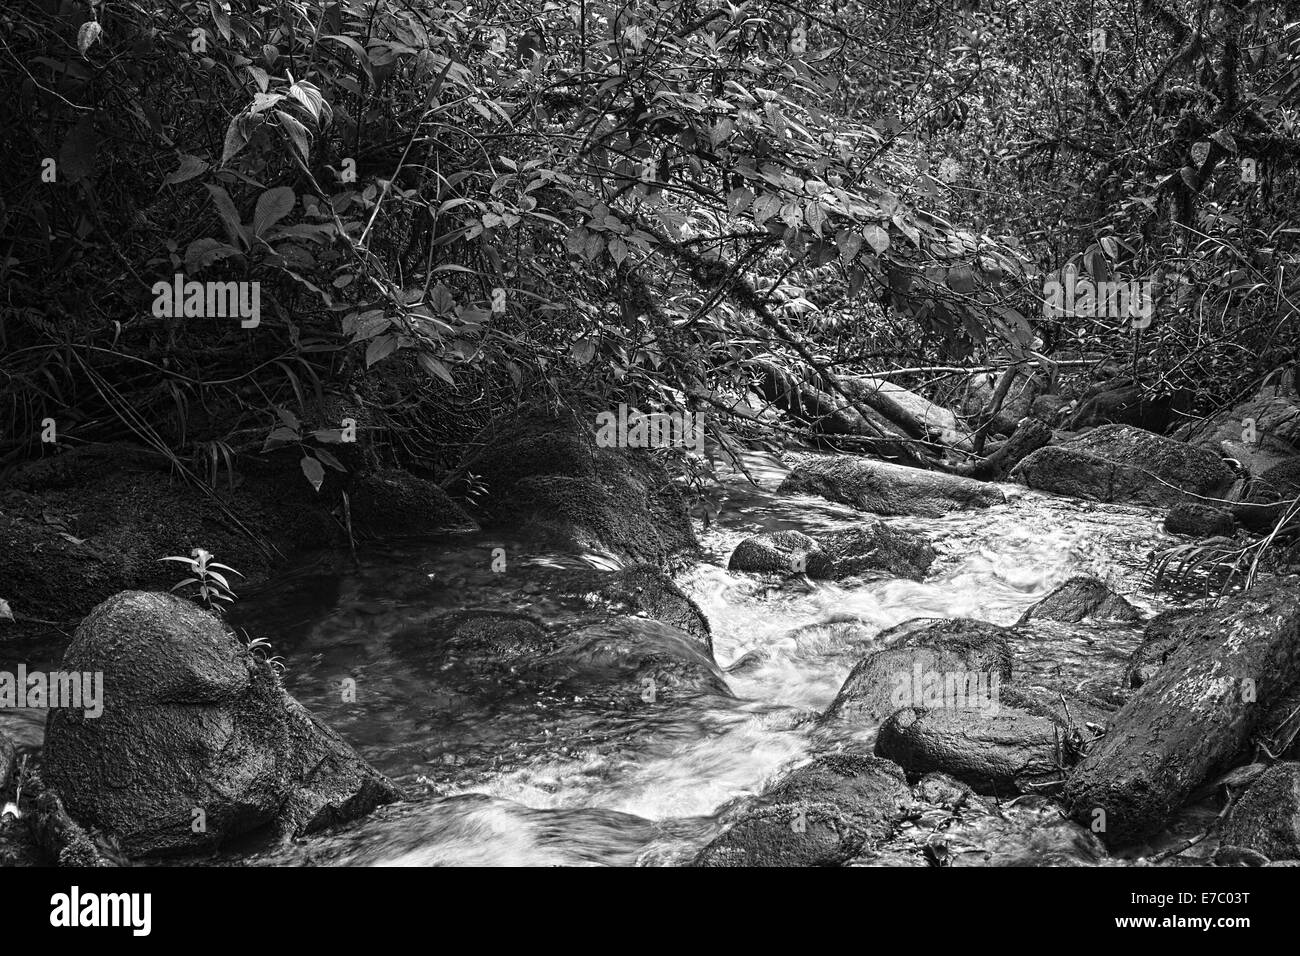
(1195, 718)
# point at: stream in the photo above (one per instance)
(502, 778)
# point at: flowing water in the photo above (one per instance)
(508, 778)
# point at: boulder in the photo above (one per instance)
(888, 489)
(872, 548)
(1079, 598)
(822, 814)
(1163, 634)
(642, 589)
(1123, 464)
(783, 552)
(1123, 402)
(971, 660)
(996, 751)
(1193, 520)
(1223, 685)
(1266, 818)
(392, 503)
(196, 726)
(545, 474)
(1261, 432)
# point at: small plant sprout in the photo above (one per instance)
(213, 585)
(260, 648)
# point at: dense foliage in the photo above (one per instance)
(452, 208)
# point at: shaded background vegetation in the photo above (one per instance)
(455, 208)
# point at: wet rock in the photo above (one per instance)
(747, 663)
(995, 751)
(783, 552)
(822, 814)
(1198, 714)
(1268, 496)
(546, 474)
(984, 643)
(394, 503)
(1199, 521)
(927, 666)
(644, 589)
(942, 790)
(1239, 856)
(888, 489)
(1122, 402)
(872, 548)
(194, 722)
(486, 643)
(1266, 818)
(633, 660)
(1163, 634)
(8, 764)
(1261, 432)
(1078, 715)
(1080, 598)
(1123, 464)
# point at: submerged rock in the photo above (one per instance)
(995, 751)
(873, 548)
(644, 589)
(888, 489)
(1122, 464)
(195, 728)
(629, 660)
(1266, 818)
(1079, 598)
(822, 814)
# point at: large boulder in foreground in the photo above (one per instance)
(1122, 464)
(1225, 683)
(1079, 598)
(873, 548)
(996, 750)
(823, 814)
(888, 489)
(545, 474)
(195, 727)
(1266, 818)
